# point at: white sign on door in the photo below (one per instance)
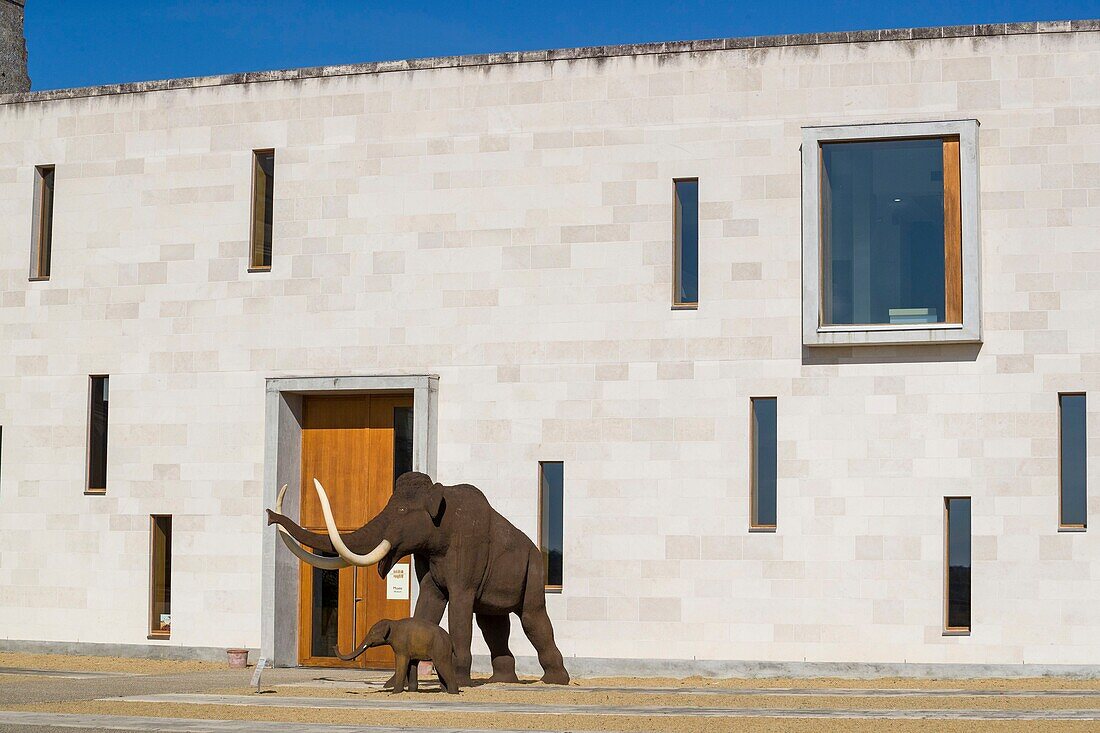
(397, 583)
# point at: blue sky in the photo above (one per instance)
(83, 42)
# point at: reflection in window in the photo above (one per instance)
(687, 242)
(890, 232)
(402, 442)
(160, 612)
(551, 497)
(97, 435)
(764, 460)
(43, 222)
(1073, 499)
(263, 206)
(325, 606)
(958, 564)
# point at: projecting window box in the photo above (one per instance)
(890, 235)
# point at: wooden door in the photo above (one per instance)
(356, 446)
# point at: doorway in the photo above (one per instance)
(356, 445)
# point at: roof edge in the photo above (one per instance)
(563, 54)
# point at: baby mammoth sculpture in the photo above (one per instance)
(412, 641)
(469, 560)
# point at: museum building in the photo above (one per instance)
(785, 350)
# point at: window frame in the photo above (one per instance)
(254, 206)
(42, 225)
(547, 586)
(947, 629)
(154, 633)
(754, 489)
(1062, 527)
(969, 330)
(90, 490)
(677, 245)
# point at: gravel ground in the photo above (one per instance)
(163, 676)
(103, 664)
(516, 694)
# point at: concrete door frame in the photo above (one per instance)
(282, 465)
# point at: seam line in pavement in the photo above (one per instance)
(459, 706)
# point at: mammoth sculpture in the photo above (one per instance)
(469, 560)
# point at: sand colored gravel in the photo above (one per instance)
(68, 663)
(516, 694)
(992, 683)
(625, 724)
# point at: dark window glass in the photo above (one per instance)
(687, 242)
(160, 621)
(326, 598)
(764, 458)
(44, 230)
(958, 563)
(97, 435)
(402, 441)
(551, 497)
(882, 229)
(263, 198)
(1072, 452)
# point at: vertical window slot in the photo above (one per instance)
(763, 463)
(686, 285)
(551, 498)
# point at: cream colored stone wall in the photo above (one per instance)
(509, 228)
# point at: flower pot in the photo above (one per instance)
(238, 658)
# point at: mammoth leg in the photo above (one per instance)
(445, 670)
(460, 622)
(536, 624)
(400, 673)
(413, 683)
(430, 604)
(495, 629)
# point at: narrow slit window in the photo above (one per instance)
(42, 234)
(687, 243)
(97, 435)
(263, 199)
(764, 460)
(160, 577)
(957, 601)
(1072, 446)
(551, 497)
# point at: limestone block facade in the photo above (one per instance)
(505, 223)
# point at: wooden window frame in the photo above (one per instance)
(256, 228)
(962, 233)
(947, 629)
(153, 632)
(1062, 527)
(755, 526)
(549, 587)
(42, 224)
(90, 490)
(677, 246)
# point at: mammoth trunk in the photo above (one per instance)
(380, 551)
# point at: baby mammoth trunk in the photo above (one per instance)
(367, 644)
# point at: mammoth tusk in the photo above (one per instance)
(338, 542)
(324, 563)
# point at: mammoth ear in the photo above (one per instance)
(387, 629)
(433, 501)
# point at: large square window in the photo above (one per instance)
(890, 233)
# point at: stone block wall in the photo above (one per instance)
(508, 227)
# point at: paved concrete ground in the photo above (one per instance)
(211, 699)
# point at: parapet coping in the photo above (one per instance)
(563, 54)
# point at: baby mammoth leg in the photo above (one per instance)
(412, 684)
(495, 629)
(400, 673)
(445, 669)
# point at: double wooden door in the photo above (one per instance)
(356, 446)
